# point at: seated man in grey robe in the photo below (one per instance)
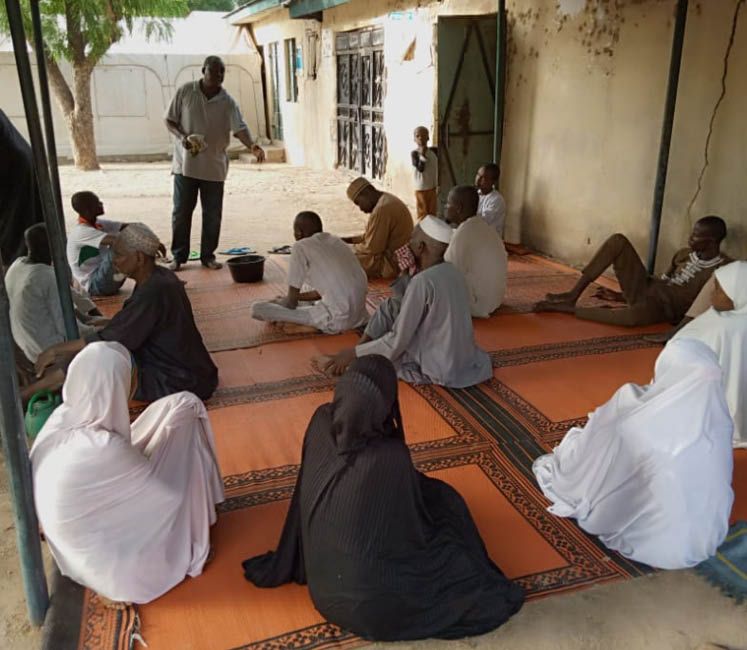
(427, 333)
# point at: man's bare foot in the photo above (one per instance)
(560, 307)
(661, 337)
(295, 328)
(567, 296)
(113, 604)
(321, 362)
(603, 293)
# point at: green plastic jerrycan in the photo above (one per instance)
(40, 407)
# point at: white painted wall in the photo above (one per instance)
(134, 83)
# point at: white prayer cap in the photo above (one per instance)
(138, 237)
(436, 229)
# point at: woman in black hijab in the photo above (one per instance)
(387, 552)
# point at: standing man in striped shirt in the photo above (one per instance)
(202, 115)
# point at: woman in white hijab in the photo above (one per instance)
(650, 473)
(126, 510)
(723, 328)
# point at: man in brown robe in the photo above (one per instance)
(389, 227)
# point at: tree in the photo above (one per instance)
(81, 32)
(212, 5)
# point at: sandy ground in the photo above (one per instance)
(669, 610)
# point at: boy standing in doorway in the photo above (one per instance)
(425, 163)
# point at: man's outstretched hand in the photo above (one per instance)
(259, 153)
(339, 363)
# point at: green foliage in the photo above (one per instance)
(212, 5)
(81, 31)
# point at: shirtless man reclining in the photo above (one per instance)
(648, 299)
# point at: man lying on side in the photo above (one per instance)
(649, 299)
(477, 251)
(427, 334)
(324, 262)
(155, 324)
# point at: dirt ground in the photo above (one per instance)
(674, 610)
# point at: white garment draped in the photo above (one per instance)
(725, 332)
(650, 473)
(125, 510)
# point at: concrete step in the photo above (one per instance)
(274, 153)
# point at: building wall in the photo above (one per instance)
(586, 85)
(130, 94)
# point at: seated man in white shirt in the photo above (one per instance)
(477, 251)
(492, 207)
(89, 247)
(35, 312)
(325, 263)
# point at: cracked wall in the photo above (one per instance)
(586, 85)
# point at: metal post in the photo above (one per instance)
(15, 450)
(54, 230)
(666, 131)
(500, 82)
(41, 69)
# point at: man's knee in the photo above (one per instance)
(617, 241)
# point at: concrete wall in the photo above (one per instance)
(130, 94)
(586, 84)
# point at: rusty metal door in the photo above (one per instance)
(360, 101)
(466, 98)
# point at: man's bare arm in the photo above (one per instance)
(60, 354)
(243, 136)
(178, 131)
(354, 239)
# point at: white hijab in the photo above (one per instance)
(95, 394)
(650, 473)
(725, 332)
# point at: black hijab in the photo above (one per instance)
(365, 405)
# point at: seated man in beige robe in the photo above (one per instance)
(389, 227)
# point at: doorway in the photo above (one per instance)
(360, 101)
(466, 98)
(277, 117)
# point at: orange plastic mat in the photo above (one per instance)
(222, 308)
(550, 371)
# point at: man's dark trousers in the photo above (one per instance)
(186, 190)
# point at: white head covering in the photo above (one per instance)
(733, 280)
(650, 473)
(95, 394)
(139, 237)
(436, 229)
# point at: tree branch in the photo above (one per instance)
(60, 87)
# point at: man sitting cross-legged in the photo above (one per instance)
(427, 334)
(89, 243)
(477, 251)
(389, 227)
(325, 263)
(155, 324)
(649, 299)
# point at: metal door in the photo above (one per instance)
(466, 98)
(277, 117)
(360, 101)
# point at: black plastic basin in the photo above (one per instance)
(247, 268)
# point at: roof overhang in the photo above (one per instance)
(257, 10)
(307, 8)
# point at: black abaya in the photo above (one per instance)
(387, 552)
(20, 206)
